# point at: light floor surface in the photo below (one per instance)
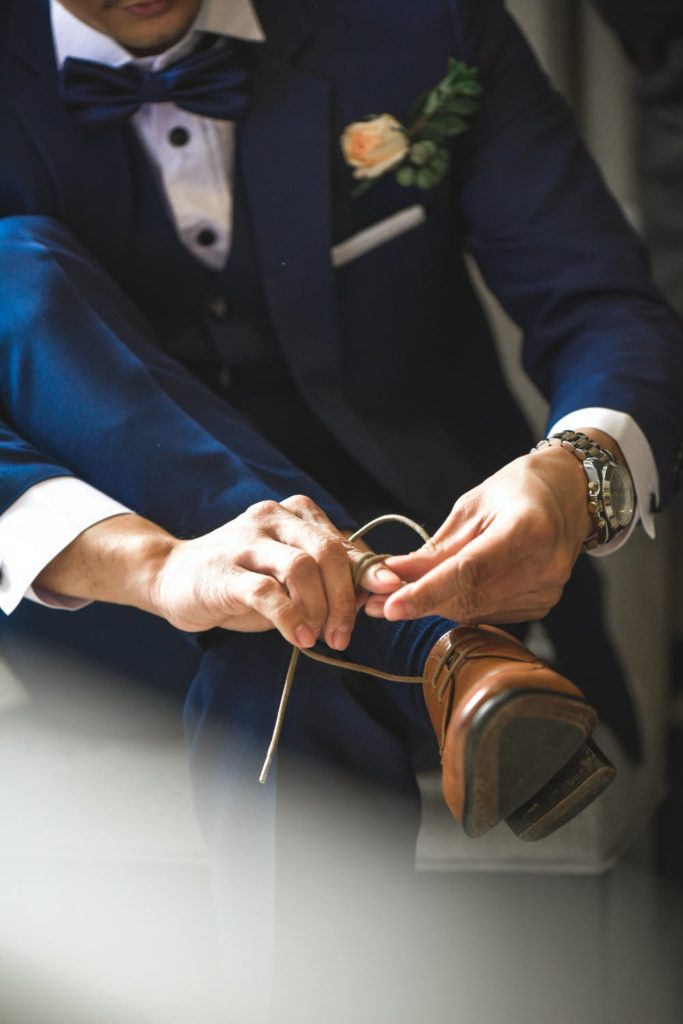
(107, 914)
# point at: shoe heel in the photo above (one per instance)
(584, 777)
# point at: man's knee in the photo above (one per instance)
(25, 232)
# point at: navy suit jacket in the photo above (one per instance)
(399, 328)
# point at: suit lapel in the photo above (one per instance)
(90, 171)
(284, 148)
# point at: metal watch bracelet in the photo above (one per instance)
(584, 448)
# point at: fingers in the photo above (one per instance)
(334, 557)
(494, 578)
(464, 523)
(271, 605)
(280, 564)
(377, 578)
(477, 607)
(297, 545)
(298, 576)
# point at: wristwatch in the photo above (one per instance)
(611, 495)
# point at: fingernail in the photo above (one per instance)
(384, 575)
(401, 610)
(374, 612)
(304, 636)
(339, 640)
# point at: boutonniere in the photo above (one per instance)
(415, 152)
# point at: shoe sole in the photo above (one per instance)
(517, 743)
(585, 776)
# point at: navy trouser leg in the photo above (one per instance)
(82, 380)
(85, 381)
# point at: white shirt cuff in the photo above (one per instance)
(39, 525)
(637, 452)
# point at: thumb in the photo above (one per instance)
(414, 565)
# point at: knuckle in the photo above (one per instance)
(297, 501)
(264, 588)
(262, 509)
(304, 502)
(466, 505)
(300, 563)
(430, 548)
(345, 605)
(229, 562)
(330, 549)
(303, 507)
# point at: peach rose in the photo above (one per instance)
(373, 147)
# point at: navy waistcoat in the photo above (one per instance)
(224, 335)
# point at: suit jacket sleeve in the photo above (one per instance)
(555, 249)
(23, 465)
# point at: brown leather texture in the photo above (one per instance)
(493, 662)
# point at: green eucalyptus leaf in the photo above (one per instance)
(430, 133)
(441, 161)
(426, 178)
(431, 103)
(458, 70)
(422, 152)
(470, 88)
(437, 115)
(462, 105)
(406, 175)
(448, 124)
(418, 107)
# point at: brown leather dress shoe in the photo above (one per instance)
(512, 735)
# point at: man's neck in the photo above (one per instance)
(73, 38)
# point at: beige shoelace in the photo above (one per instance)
(368, 559)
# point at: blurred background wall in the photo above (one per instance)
(588, 65)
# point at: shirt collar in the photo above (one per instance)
(73, 38)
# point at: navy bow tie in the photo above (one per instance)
(210, 82)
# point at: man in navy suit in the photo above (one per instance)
(216, 359)
(350, 367)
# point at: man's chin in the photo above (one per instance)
(150, 26)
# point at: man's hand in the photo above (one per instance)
(281, 565)
(284, 565)
(505, 551)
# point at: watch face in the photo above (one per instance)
(619, 499)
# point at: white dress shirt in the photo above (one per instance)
(193, 157)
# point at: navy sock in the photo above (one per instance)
(399, 648)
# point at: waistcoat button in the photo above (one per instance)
(206, 237)
(179, 136)
(219, 308)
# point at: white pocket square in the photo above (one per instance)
(378, 234)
